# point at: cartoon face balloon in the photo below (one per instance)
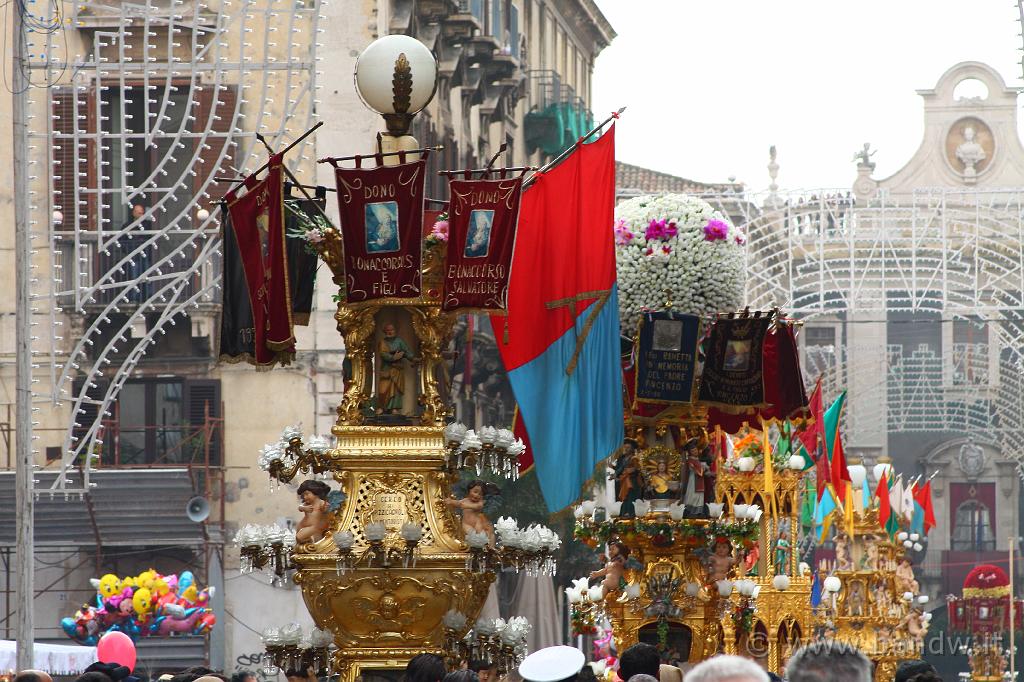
(142, 601)
(109, 585)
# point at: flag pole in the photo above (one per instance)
(1013, 669)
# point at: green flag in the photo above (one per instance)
(807, 504)
(831, 420)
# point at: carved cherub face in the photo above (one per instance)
(723, 549)
(475, 494)
(309, 498)
(389, 331)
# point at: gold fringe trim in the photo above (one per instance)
(986, 592)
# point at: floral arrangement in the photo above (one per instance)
(309, 228)
(666, 533)
(680, 244)
(751, 445)
(582, 621)
(438, 233)
(743, 617)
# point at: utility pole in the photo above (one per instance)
(24, 587)
(1013, 648)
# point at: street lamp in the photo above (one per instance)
(396, 76)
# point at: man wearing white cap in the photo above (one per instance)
(552, 664)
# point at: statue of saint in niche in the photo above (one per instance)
(396, 359)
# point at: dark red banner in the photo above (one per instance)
(257, 219)
(733, 377)
(381, 211)
(482, 219)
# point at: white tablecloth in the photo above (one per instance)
(56, 659)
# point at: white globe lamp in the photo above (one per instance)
(396, 76)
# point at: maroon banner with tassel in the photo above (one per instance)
(482, 222)
(381, 222)
(257, 219)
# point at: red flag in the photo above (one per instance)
(839, 473)
(923, 495)
(882, 493)
(823, 474)
(811, 436)
(258, 221)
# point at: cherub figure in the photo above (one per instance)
(881, 592)
(472, 506)
(914, 624)
(869, 561)
(721, 561)
(905, 581)
(615, 570)
(884, 640)
(842, 545)
(315, 511)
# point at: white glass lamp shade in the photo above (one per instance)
(881, 468)
(396, 76)
(833, 583)
(781, 582)
(902, 536)
(857, 474)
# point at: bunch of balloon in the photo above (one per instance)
(146, 605)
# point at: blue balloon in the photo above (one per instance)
(185, 580)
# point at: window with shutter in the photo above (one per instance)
(203, 409)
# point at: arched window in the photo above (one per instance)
(972, 528)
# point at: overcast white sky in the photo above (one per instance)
(710, 84)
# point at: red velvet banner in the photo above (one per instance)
(482, 221)
(258, 222)
(381, 211)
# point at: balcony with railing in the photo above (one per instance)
(557, 117)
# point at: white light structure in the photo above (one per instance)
(165, 95)
(396, 76)
(951, 254)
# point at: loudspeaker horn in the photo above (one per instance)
(197, 509)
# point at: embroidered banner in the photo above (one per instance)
(236, 323)
(257, 219)
(666, 357)
(381, 216)
(482, 223)
(733, 374)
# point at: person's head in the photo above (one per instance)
(425, 668)
(465, 675)
(244, 676)
(642, 677)
(726, 669)
(586, 674)
(553, 664)
(828, 661)
(138, 210)
(639, 659)
(618, 550)
(33, 676)
(908, 670)
(485, 671)
(926, 677)
(309, 491)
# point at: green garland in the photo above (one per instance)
(743, 618)
(667, 533)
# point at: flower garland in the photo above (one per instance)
(681, 244)
(666, 533)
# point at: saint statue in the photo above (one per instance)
(970, 152)
(782, 549)
(394, 353)
(661, 485)
(628, 478)
(863, 157)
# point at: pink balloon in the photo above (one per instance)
(116, 647)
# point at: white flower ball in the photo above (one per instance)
(692, 250)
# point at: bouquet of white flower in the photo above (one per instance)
(681, 244)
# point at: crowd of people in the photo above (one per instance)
(823, 661)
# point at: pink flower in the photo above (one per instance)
(661, 229)
(740, 239)
(666, 249)
(622, 234)
(440, 231)
(715, 230)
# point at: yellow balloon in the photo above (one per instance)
(190, 593)
(129, 581)
(142, 600)
(146, 579)
(109, 585)
(160, 587)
